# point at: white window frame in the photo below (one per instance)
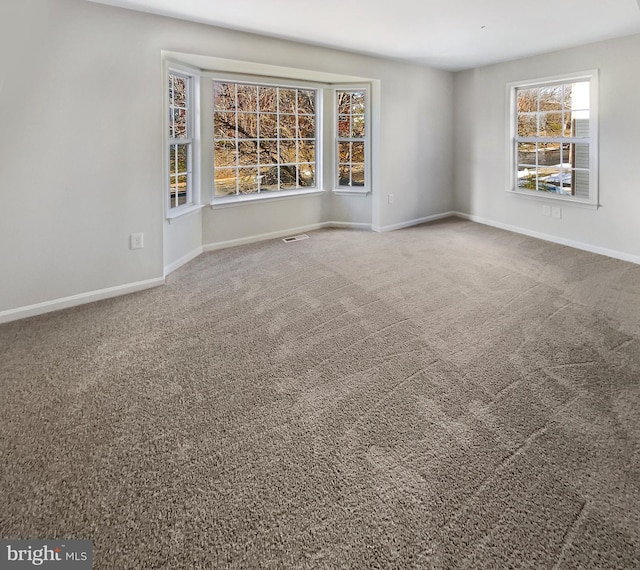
(285, 83)
(512, 123)
(344, 189)
(192, 141)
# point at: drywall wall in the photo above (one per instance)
(481, 149)
(82, 147)
(79, 156)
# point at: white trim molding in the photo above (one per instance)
(554, 239)
(284, 233)
(178, 263)
(79, 299)
(415, 222)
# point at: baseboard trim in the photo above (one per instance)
(91, 296)
(214, 246)
(549, 237)
(74, 300)
(348, 225)
(182, 261)
(415, 222)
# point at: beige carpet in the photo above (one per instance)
(445, 396)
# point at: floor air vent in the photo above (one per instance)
(295, 238)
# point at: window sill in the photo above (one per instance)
(232, 201)
(175, 216)
(351, 192)
(555, 198)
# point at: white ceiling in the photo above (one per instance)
(449, 34)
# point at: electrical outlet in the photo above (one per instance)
(136, 241)
(556, 212)
(546, 210)
(390, 198)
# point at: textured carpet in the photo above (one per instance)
(445, 396)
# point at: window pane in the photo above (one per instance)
(225, 153)
(357, 126)
(357, 174)
(224, 125)
(559, 181)
(549, 154)
(179, 123)
(344, 175)
(527, 177)
(224, 96)
(268, 152)
(306, 151)
(344, 102)
(306, 175)
(357, 152)
(225, 181)
(287, 124)
(178, 159)
(287, 100)
(528, 125)
(268, 98)
(247, 97)
(577, 96)
(173, 191)
(288, 177)
(173, 160)
(178, 91)
(248, 125)
(306, 127)
(306, 102)
(551, 98)
(344, 126)
(549, 179)
(357, 102)
(247, 180)
(268, 128)
(551, 125)
(527, 100)
(527, 154)
(182, 189)
(288, 151)
(344, 152)
(248, 152)
(268, 178)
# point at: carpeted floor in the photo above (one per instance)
(445, 396)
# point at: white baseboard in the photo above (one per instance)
(74, 300)
(180, 262)
(91, 296)
(283, 233)
(415, 222)
(549, 237)
(262, 237)
(348, 225)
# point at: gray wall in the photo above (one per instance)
(480, 128)
(81, 147)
